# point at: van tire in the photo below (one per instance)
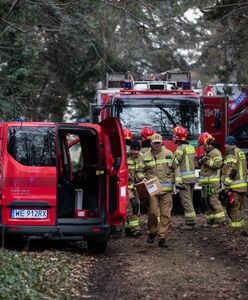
(97, 247)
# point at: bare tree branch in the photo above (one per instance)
(15, 3)
(17, 27)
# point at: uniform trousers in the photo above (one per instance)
(160, 204)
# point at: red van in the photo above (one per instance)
(63, 180)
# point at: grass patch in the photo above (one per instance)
(37, 275)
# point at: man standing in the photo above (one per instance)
(160, 162)
(234, 181)
(132, 226)
(211, 163)
(185, 154)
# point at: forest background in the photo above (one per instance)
(53, 53)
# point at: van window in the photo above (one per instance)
(32, 146)
(76, 154)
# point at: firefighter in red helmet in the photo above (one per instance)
(145, 135)
(128, 138)
(211, 163)
(185, 154)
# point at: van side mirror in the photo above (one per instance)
(217, 119)
(117, 163)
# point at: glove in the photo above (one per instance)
(202, 159)
(229, 198)
(226, 197)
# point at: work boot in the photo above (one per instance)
(135, 233)
(151, 238)
(162, 243)
(128, 232)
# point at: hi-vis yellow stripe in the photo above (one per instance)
(237, 224)
(99, 172)
(242, 155)
(230, 160)
(178, 151)
(158, 162)
(190, 150)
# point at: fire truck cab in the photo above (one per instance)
(226, 110)
(161, 104)
(63, 181)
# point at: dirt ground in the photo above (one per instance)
(199, 264)
(203, 263)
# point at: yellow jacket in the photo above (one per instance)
(134, 167)
(234, 170)
(185, 155)
(163, 165)
(210, 169)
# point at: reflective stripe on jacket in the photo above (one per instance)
(210, 170)
(234, 171)
(134, 167)
(164, 165)
(185, 155)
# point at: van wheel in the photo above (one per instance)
(97, 246)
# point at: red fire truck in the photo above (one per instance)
(63, 181)
(226, 112)
(162, 102)
(166, 100)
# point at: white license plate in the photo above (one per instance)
(29, 213)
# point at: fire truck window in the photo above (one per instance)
(32, 146)
(162, 118)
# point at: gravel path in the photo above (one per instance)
(199, 264)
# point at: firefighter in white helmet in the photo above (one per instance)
(161, 163)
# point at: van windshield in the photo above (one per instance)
(32, 146)
(161, 114)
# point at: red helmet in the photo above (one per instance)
(180, 133)
(205, 138)
(127, 134)
(146, 133)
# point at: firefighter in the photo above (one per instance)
(185, 154)
(145, 135)
(211, 163)
(128, 137)
(234, 182)
(132, 226)
(160, 162)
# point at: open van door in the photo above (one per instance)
(116, 171)
(215, 117)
